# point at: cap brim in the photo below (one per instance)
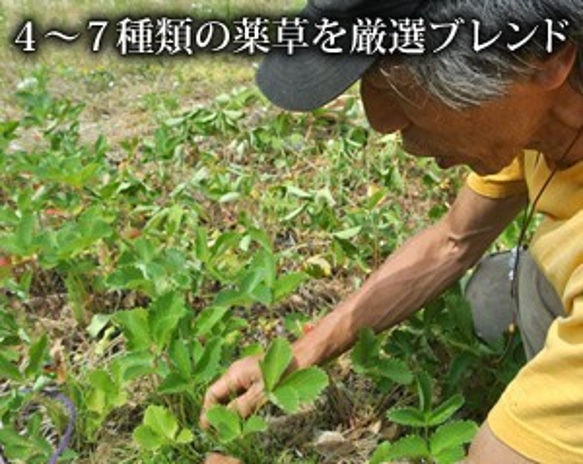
(309, 78)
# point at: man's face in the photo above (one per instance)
(486, 138)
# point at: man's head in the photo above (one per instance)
(481, 109)
(461, 77)
(540, 111)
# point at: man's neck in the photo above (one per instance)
(560, 136)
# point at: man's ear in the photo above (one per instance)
(555, 71)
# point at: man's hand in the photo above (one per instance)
(216, 458)
(241, 387)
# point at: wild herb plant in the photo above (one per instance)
(168, 252)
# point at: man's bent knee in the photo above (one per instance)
(487, 449)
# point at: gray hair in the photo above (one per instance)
(460, 77)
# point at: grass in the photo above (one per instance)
(107, 82)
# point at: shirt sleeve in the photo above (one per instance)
(508, 182)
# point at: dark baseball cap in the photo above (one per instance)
(310, 78)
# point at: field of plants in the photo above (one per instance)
(159, 219)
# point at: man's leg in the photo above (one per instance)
(538, 305)
(487, 449)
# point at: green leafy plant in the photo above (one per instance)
(368, 359)
(438, 440)
(289, 392)
(230, 427)
(160, 429)
(133, 272)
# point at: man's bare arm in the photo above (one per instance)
(419, 271)
(416, 273)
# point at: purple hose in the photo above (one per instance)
(68, 432)
(70, 425)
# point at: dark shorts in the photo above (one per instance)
(534, 306)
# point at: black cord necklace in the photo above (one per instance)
(528, 219)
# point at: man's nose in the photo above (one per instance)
(382, 110)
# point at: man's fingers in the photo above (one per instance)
(219, 393)
(248, 403)
(243, 376)
(245, 405)
(215, 458)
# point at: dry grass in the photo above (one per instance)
(121, 94)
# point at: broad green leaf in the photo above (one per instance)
(261, 237)
(103, 381)
(286, 398)
(179, 355)
(288, 284)
(381, 454)
(208, 319)
(147, 438)
(201, 244)
(366, 351)
(262, 294)
(8, 326)
(460, 314)
(450, 456)
(135, 364)
(226, 241)
(8, 370)
(207, 365)
(129, 278)
(452, 435)
(445, 410)
(254, 424)
(96, 402)
(161, 421)
(25, 234)
(105, 394)
(228, 297)
(348, 234)
(164, 315)
(460, 368)
(412, 447)
(37, 354)
(393, 369)
(276, 361)
(264, 262)
(184, 436)
(76, 295)
(407, 416)
(425, 391)
(250, 280)
(135, 328)
(174, 383)
(307, 383)
(16, 445)
(227, 423)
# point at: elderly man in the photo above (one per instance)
(516, 118)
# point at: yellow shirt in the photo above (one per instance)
(541, 412)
